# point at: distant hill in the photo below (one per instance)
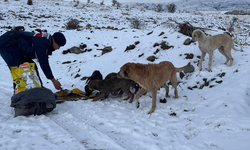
(198, 5)
(213, 5)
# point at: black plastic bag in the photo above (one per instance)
(35, 101)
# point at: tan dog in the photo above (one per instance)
(207, 44)
(151, 77)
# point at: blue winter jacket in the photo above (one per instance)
(28, 47)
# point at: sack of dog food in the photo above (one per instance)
(30, 98)
(25, 77)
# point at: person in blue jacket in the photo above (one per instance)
(17, 47)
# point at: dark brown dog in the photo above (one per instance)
(151, 77)
(134, 85)
(111, 75)
(108, 86)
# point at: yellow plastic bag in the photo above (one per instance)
(75, 91)
(25, 77)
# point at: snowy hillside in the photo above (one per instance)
(211, 113)
(196, 5)
(213, 5)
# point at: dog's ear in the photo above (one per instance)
(199, 33)
(87, 81)
(126, 71)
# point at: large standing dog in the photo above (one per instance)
(151, 77)
(207, 44)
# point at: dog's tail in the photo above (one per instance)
(232, 46)
(236, 49)
(182, 68)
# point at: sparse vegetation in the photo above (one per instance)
(231, 24)
(29, 2)
(136, 23)
(106, 30)
(72, 24)
(159, 8)
(114, 2)
(77, 2)
(102, 2)
(238, 12)
(118, 5)
(171, 8)
(88, 26)
(185, 28)
(1, 16)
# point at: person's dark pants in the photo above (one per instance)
(13, 57)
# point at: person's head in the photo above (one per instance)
(58, 40)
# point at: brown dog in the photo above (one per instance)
(111, 75)
(207, 44)
(151, 77)
(108, 86)
(134, 85)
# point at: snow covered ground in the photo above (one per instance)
(215, 117)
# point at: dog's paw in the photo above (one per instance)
(126, 98)
(94, 100)
(209, 70)
(167, 96)
(151, 111)
(137, 105)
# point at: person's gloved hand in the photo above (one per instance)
(57, 84)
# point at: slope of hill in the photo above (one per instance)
(197, 5)
(212, 111)
(221, 5)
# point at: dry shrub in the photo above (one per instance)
(136, 23)
(29, 2)
(159, 8)
(171, 8)
(72, 24)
